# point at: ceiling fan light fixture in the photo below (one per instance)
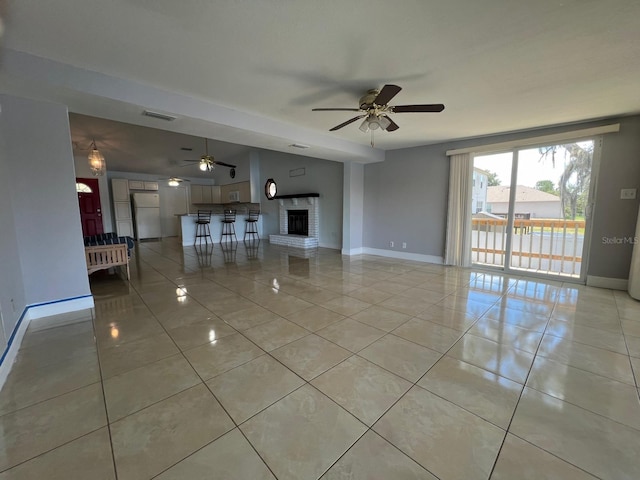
(204, 166)
(174, 182)
(364, 126)
(374, 123)
(384, 122)
(96, 161)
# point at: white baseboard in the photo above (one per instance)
(60, 306)
(605, 282)
(13, 345)
(34, 312)
(331, 246)
(353, 251)
(417, 257)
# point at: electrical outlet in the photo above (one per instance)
(628, 194)
(404, 244)
(391, 244)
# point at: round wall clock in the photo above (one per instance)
(270, 188)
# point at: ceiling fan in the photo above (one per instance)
(174, 181)
(207, 163)
(375, 109)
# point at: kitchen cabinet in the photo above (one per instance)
(122, 207)
(215, 194)
(236, 192)
(120, 190)
(205, 194)
(143, 185)
(196, 194)
(136, 185)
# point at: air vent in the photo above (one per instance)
(186, 149)
(159, 116)
(299, 145)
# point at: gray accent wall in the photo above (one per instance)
(321, 176)
(45, 235)
(612, 216)
(405, 200)
(405, 197)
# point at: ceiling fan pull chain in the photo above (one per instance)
(372, 139)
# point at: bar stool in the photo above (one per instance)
(229, 225)
(251, 227)
(202, 226)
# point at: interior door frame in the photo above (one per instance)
(94, 184)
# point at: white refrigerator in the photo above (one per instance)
(146, 215)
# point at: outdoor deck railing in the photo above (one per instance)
(551, 245)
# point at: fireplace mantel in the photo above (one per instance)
(296, 195)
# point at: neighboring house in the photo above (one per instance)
(528, 200)
(479, 192)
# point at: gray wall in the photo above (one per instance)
(613, 217)
(12, 296)
(322, 176)
(406, 195)
(38, 166)
(405, 200)
(353, 208)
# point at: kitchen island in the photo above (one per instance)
(188, 227)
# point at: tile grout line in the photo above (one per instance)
(524, 386)
(104, 395)
(634, 374)
(508, 430)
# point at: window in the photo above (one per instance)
(83, 188)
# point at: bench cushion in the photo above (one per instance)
(110, 238)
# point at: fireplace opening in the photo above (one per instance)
(298, 222)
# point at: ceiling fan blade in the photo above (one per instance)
(393, 126)
(224, 164)
(386, 94)
(434, 107)
(335, 109)
(344, 124)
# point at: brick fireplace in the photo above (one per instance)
(298, 215)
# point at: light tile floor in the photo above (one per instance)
(258, 362)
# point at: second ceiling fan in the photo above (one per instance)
(207, 163)
(375, 109)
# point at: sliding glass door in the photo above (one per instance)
(533, 215)
(490, 208)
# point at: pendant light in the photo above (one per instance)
(96, 161)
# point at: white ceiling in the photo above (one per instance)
(132, 148)
(249, 72)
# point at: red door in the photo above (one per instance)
(90, 210)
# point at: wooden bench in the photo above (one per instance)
(100, 257)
